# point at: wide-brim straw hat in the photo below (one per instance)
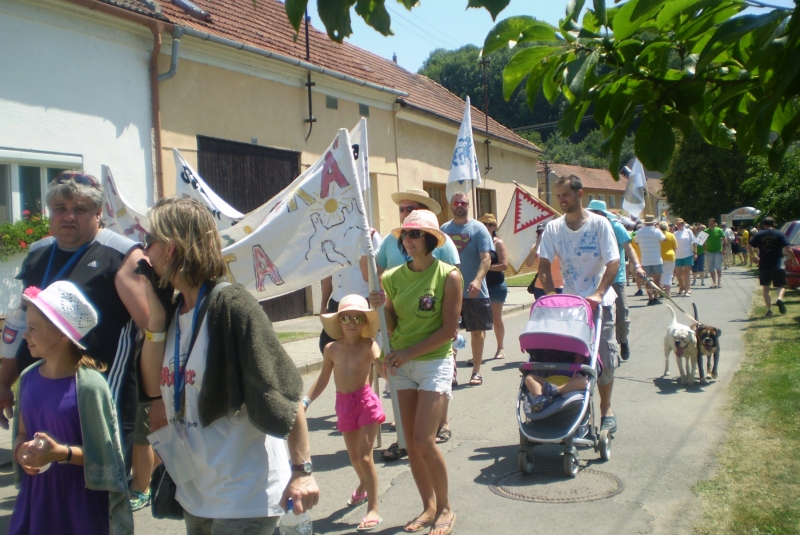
(351, 303)
(422, 220)
(649, 219)
(679, 220)
(66, 307)
(488, 219)
(420, 196)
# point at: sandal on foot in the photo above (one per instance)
(357, 499)
(443, 435)
(419, 525)
(449, 525)
(500, 354)
(469, 363)
(393, 453)
(476, 379)
(369, 525)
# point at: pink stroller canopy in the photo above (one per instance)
(561, 322)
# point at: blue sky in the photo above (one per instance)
(448, 24)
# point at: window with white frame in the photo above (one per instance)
(612, 201)
(24, 176)
(601, 197)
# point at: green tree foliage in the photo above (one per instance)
(775, 193)
(586, 153)
(706, 181)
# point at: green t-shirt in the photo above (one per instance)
(417, 300)
(714, 242)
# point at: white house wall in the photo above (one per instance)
(77, 82)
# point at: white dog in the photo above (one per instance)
(682, 341)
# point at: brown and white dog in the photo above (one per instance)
(680, 339)
(707, 346)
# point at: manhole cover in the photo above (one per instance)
(552, 486)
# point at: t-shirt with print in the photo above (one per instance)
(649, 239)
(622, 237)
(584, 254)
(471, 240)
(389, 255)
(241, 472)
(770, 244)
(417, 300)
(684, 238)
(714, 242)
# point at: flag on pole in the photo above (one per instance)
(189, 184)
(358, 137)
(307, 232)
(464, 171)
(634, 200)
(117, 214)
(518, 229)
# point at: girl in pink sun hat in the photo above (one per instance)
(67, 453)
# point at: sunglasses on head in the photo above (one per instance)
(78, 178)
(346, 318)
(407, 209)
(148, 240)
(413, 234)
(460, 203)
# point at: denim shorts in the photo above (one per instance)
(656, 269)
(498, 292)
(429, 375)
(699, 264)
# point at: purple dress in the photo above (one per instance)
(56, 501)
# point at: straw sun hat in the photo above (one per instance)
(488, 219)
(419, 196)
(64, 305)
(351, 303)
(422, 220)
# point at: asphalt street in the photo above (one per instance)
(668, 434)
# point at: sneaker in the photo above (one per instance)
(639, 293)
(624, 351)
(768, 314)
(702, 283)
(781, 306)
(693, 281)
(651, 302)
(609, 423)
(139, 500)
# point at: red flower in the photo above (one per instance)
(31, 291)
(26, 213)
(23, 245)
(29, 231)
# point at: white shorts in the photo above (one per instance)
(669, 269)
(428, 375)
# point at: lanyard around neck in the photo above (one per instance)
(179, 372)
(72, 259)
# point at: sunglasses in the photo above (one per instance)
(413, 234)
(460, 203)
(78, 178)
(148, 240)
(358, 320)
(407, 209)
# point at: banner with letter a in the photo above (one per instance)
(518, 229)
(189, 184)
(117, 213)
(308, 231)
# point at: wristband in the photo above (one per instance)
(552, 293)
(151, 398)
(155, 337)
(16, 450)
(637, 266)
(306, 401)
(69, 456)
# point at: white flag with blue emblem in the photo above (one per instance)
(464, 171)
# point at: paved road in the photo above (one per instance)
(666, 442)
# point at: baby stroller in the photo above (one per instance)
(561, 336)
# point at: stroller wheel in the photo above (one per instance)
(525, 462)
(571, 463)
(605, 445)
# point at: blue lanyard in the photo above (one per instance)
(72, 259)
(179, 373)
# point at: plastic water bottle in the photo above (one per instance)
(39, 444)
(292, 524)
(459, 343)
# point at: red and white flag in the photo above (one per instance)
(518, 229)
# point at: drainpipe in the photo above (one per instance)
(177, 33)
(156, 27)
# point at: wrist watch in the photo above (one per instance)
(305, 467)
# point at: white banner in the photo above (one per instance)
(189, 184)
(307, 232)
(518, 229)
(118, 214)
(358, 137)
(635, 191)
(464, 171)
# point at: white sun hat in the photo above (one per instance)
(424, 220)
(66, 306)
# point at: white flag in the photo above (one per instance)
(358, 137)
(117, 214)
(307, 232)
(518, 229)
(464, 171)
(189, 184)
(635, 191)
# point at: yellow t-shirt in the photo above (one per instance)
(668, 247)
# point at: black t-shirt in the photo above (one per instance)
(770, 244)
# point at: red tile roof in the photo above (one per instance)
(591, 178)
(263, 24)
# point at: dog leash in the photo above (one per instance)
(664, 294)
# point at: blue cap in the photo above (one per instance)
(600, 206)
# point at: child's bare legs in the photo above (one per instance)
(575, 383)
(534, 384)
(359, 447)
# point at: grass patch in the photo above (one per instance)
(757, 486)
(292, 336)
(520, 280)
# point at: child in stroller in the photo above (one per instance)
(542, 391)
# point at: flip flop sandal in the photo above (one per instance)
(449, 525)
(500, 354)
(372, 524)
(356, 499)
(422, 524)
(393, 453)
(443, 436)
(476, 379)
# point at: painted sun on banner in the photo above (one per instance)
(518, 229)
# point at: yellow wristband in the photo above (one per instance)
(552, 293)
(155, 337)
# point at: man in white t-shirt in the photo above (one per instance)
(649, 239)
(589, 255)
(726, 246)
(685, 255)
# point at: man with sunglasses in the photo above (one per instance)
(473, 242)
(101, 263)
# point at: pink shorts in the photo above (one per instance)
(357, 409)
